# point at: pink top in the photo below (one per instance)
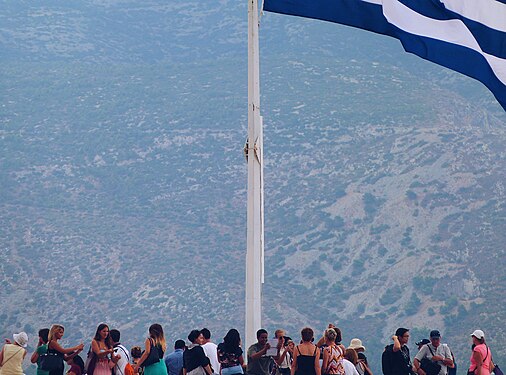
(486, 355)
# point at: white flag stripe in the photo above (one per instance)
(451, 31)
(490, 13)
(379, 2)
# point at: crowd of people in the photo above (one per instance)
(280, 355)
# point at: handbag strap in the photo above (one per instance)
(483, 358)
(126, 354)
(431, 352)
(119, 369)
(127, 358)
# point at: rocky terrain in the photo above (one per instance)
(123, 183)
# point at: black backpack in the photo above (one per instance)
(453, 371)
(386, 360)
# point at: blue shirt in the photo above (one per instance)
(174, 362)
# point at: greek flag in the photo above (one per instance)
(468, 36)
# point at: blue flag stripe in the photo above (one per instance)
(439, 43)
(490, 13)
(491, 41)
(455, 57)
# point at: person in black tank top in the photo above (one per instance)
(53, 347)
(306, 355)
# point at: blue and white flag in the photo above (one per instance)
(468, 36)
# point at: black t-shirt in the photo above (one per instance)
(400, 362)
(194, 357)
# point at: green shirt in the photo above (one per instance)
(258, 366)
(41, 350)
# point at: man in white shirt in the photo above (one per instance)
(120, 350)
(210, 349)
(436, 353)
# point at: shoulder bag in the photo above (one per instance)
(53, 360)
(154, 355)
(430, 367)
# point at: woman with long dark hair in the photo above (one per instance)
(76, 364)
(102, 350)
(152, 358)
(230, 354)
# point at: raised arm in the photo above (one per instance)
(71, 355)
(35, 356)
(261, 352)
(294, 362)
(281, 357)
(99, 353)
(56, 346)
(397, 344)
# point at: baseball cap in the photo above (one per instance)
(434, 333)
(478, 334)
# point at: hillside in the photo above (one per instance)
(123, 183)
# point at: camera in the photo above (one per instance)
(286, 340)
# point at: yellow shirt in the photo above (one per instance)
(13, 359)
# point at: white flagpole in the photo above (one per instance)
(255, 222)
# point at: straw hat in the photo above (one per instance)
(356, 344)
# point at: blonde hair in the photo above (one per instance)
(156, 333)
(279, 332)
(330, 334)
(52, 331)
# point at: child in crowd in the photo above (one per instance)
(76, 364)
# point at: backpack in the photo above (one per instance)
(42, 355)
(363, 367)
(90, 363)
(386, 360)
(129, 370)
(453, 370)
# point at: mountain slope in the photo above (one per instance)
(124, 183)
